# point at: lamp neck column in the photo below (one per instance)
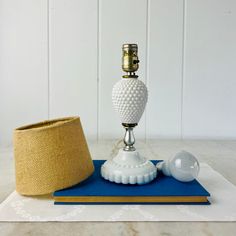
(129, 139)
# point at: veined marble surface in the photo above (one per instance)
(221, 155)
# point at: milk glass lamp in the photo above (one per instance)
(129, 97)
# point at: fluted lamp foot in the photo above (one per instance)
(129, 167)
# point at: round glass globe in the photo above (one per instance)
(184, 166)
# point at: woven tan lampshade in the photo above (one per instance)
(51, 155)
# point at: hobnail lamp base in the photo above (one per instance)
(129, 167)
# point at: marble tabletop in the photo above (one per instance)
(220, 155)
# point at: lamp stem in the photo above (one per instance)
(129, 139)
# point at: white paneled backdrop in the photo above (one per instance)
(62, 57)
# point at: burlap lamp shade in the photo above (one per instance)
(51, 155)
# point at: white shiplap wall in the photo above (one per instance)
(62, 57)
(209, 95)
(73, 61)
(164, 74)
(23, 64)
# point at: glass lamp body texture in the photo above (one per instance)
(129, 97)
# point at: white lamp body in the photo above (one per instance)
(129, 98)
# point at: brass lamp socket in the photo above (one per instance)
(130, 59)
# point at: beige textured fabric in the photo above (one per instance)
(51, 155)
